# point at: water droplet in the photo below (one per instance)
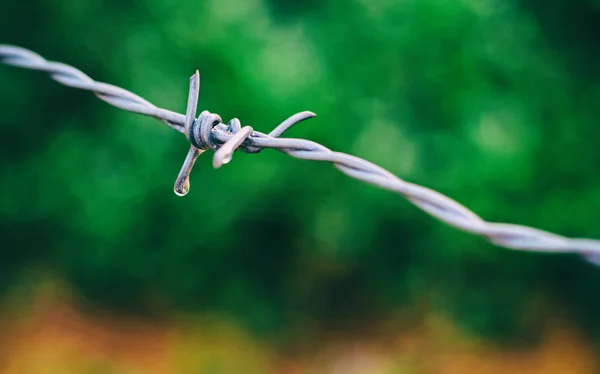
(183, 189)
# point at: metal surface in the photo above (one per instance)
(209, 132)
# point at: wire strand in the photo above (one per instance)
(438, 205)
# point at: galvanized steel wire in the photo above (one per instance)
(207, 131)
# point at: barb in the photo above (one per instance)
(209, 132)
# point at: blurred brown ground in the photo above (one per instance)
(50, 336)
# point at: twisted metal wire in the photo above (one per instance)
(208, 132)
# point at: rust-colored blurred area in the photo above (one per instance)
(41, 333)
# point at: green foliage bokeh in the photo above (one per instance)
(493, 103)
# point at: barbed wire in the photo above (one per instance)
(207, 131)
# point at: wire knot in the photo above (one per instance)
(209, 132)
(234, 127)
(201, 132)
(198, 131)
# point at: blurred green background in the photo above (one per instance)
(493, 103)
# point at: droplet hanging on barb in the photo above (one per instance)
(182, 183)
